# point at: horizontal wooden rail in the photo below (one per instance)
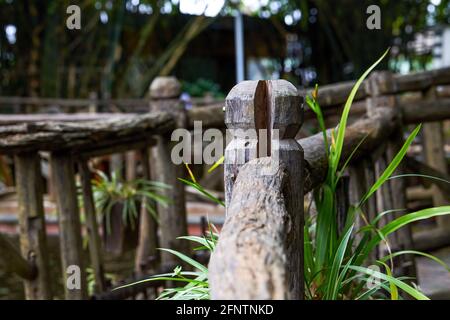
(12, 119)
(80, 103)
(51, 136)
(375, 130)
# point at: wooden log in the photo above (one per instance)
(336, 94)
(65, 135)
(95, 246)
(431, 240)
(114, 146)
(398, 191)
(72, 103)
(357, 188)
(14, 261)
(378, 84)
(426, 111)
(418, 167)
(173, 221)
(418, 193)
(253, 259)
(146, 252)
(434, 142)
(443, 91)
(413, 110)
(63, 179)
(33, 239)
(370, 211)
(17, 119)
(130, 165)
(422, 80)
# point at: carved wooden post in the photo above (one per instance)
(33, 239)
(263, 230)
(148, 228)
(435, 157)
(95, 246)
(63, 180)
(165, 92)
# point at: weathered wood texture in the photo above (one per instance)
(14, 119)
(95, 245)
(253, 259)
(413, 111)
(172, 217)
(33, 240)
(392, 194)
(418, 167)
(397, 192)
(63, 180)
(11, 257)
(265, 201)
(427, 241)
(79, 137)
(240, 119)
(146, 252)
(433, 135)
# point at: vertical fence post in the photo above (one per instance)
(264, 196)
(95, 246)
(433, 134)
(63, 180)
(146, 251)
(33, 239)
(165, 92)
(379, 86)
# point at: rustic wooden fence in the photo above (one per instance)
(260, 249)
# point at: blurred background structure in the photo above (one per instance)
(123, 45)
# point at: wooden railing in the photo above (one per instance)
(260, 250)
(259, 255)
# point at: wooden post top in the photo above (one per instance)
(380, 82)
(165, 88)
(265, 104)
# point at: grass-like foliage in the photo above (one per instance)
(336, 265)
(111, 191)
(195, 282)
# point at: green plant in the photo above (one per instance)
(193, 183)
(196, 282)
(336, 264)
(109, 192)
(201, 87)
(90, 278)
